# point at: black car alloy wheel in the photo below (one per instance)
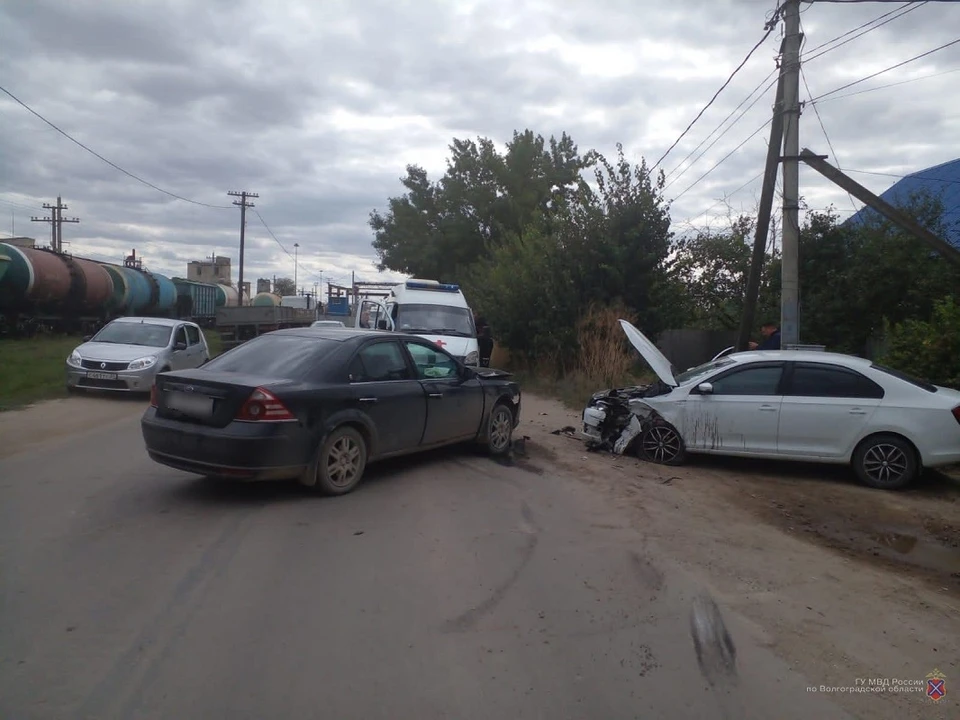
(500, 433)
(342, 461)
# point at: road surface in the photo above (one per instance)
(446, 586)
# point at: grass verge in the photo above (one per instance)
(33, 369)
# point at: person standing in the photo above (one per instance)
(771, 337)
(484, 340)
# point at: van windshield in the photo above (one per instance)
(435, 319)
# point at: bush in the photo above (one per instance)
(604, 356)
(928, 349)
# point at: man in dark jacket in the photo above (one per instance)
(771, 337)
(484, 340)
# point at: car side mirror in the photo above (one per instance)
(467, 373)
(705, 388)
(381, 324)
(87, 338)
(179, 346)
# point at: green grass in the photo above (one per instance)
(35, 369)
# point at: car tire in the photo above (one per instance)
(341, 461)
(499, 430)
(886, 462)
(661, 443)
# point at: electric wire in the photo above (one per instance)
(720, 136)
(722, 122)
(723, 159)
(906, 8)
(889, 85)
(770, 27)
(881, 72)
(108, 162)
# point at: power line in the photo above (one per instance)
(108, 162)
(717, 139)
(914, 176)
(880, 72)
(722, 122)
(292, 257)
(890, 85)
(906, 8)
(723, 160)
(770, 25)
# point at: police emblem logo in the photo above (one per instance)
(936, 685)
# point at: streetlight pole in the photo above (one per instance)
(296, 264)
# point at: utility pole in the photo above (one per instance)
(763, 217)
(56, 221)
(296, 265)
(790, 257)
(243, 205)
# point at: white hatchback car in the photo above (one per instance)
(790, 405)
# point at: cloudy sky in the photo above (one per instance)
(318, 106)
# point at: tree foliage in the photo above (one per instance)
(540, 236)
(284, 286)
(928, 348)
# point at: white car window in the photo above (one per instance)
(764, 380)
(820, 380)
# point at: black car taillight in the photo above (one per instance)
(262, 405)
(153, 395)
(956, 413)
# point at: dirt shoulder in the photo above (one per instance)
(843, 581)
(44, 422)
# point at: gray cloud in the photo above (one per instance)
(318, 107)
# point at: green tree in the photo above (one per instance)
(714, 267)
(929, 349)
(438, 230)
(284, 286)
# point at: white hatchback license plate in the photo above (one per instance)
(188, 404)
(101, 376)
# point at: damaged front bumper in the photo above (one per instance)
(613, 419)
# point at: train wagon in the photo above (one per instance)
(197, 301)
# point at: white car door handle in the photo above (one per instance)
(435, 395)
(858, 411)
(368, 400)
(768, 408)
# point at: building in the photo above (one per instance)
(263, 285)
(214, 270)
(20, 241)
(941, 181)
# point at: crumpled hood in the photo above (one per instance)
(649, 352)
(112, 352)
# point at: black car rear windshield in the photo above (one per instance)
(289, 357)
(922, 384)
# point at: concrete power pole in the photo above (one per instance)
(56, 221)
(243, 205)
(790, 258)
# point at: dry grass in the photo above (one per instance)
(604, 359)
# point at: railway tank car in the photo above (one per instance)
(42, 288)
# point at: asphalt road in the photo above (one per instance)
(447, 586)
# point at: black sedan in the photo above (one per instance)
(318, 404)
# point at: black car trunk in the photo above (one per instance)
(206, 399)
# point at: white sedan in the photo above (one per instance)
(789, 405)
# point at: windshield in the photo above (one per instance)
(128, 333)
(436, 319)
(702, 370)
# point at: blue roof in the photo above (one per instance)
(942, 181)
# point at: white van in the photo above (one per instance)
(437, 311)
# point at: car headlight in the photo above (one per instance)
(143, 363)
(74, 359)
(472, 358)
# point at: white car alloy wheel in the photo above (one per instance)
(500, 434)
(886, 462)
(661, 444)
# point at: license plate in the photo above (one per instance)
(189, 404)
(101, 376)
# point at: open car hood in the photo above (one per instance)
(655, 359)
